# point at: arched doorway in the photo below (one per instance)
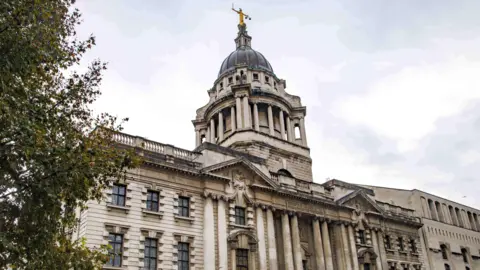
(243, 247)
(367, 259)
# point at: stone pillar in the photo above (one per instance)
(339, 254)
(282, 125)
(353, 247)
(232, 119)
(317, 242)
(289, 130)
(222, 236)
(272, 245)
(255, 117)
(346, 251)
(238, 110)
(376, 248)
(383, 252)
(246, 113)
(233, 259)
(212, 130)
(220, 126)
(297, 248)
(287, 242)
(262, 250)
(207, 136)
(302, 131)
(270, 120)
(252, 261)
(208, 235)
(326, 246)
(198, 139)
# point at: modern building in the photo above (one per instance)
(451, 231)
(245, 198)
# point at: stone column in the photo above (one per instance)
(208, 235)
(246, 113)
(287, 242)
(317, 242)
(207, 136)
(262, 250)
(222, 236)
(289, 129)
(252, 261)
(353, 247)
(339, 254)
(220, 126)
(326, 246)
(212, 130)
(232, 120)
(383, 252)
(270, 120)
(233, 259)
(272, 245)
(282, 125)
(238, 110)
(376, 248)
(302, 131)
(198, 139)
(297, 249)
(255, 117)
(346, 251)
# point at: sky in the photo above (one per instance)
(392, 88)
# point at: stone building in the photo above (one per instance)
(244, 198)
(451, 230)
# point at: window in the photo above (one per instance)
(413, 246)
(183, 206)
(467, 268)
(267, 79)
(118, 194)
(242, 259)
(400, 244)
(152, 200)
(230, 80)
(150, 254)
(115, 253)
(304, 265)
(183, 256)
(465, 255)
(221, 85)
(255, 76)
(361, 236)
(447, 267)
(406, 267)
(297, 132)
(239, 215)
(366, 266)
(388, 242)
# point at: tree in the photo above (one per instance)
(55, 154)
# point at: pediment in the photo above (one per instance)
(360, 202)
(241, 170)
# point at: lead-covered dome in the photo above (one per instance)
(244, 55)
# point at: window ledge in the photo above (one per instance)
(415, 254)
(404, 252)
(180, 218)
(241, 226)
(390, 250)
(107, 267)
(146, 212)
(114, 206)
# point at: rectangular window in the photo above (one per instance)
(366, 266)
(267, 79)
(388, 242)
(230, 80)
(413, 246)
(115, 253)
(242, 259)
(464, 255)
(118, 194)
(239, 215)
(183, 256)
(184, 206)
(400, 244)
(152, 200)
(361, 236)
(255, 76)
(304, 265)
(150, 254)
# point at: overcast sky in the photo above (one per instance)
(392, 88)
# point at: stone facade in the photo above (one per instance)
(244, 198)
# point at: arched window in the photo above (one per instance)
(297, 132)
(285, 173)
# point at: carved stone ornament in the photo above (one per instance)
(237, 187)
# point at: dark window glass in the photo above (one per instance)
(240, 215)
(366, 266)
(230, 80)
(304, 265)
(388, 242)
(267, 79)
(400, 244)
(152, 200)
(361, 236)
(255, 76)
(118, 194)
(183, 206)
(447, 267)
(413, 246)
(465, 255)
(242, 259)
(443, 248)
(183, 256)
(221, 85)
(115, 253)
(150, 254)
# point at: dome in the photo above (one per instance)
(245, 55)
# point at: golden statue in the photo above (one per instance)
(241, 15)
